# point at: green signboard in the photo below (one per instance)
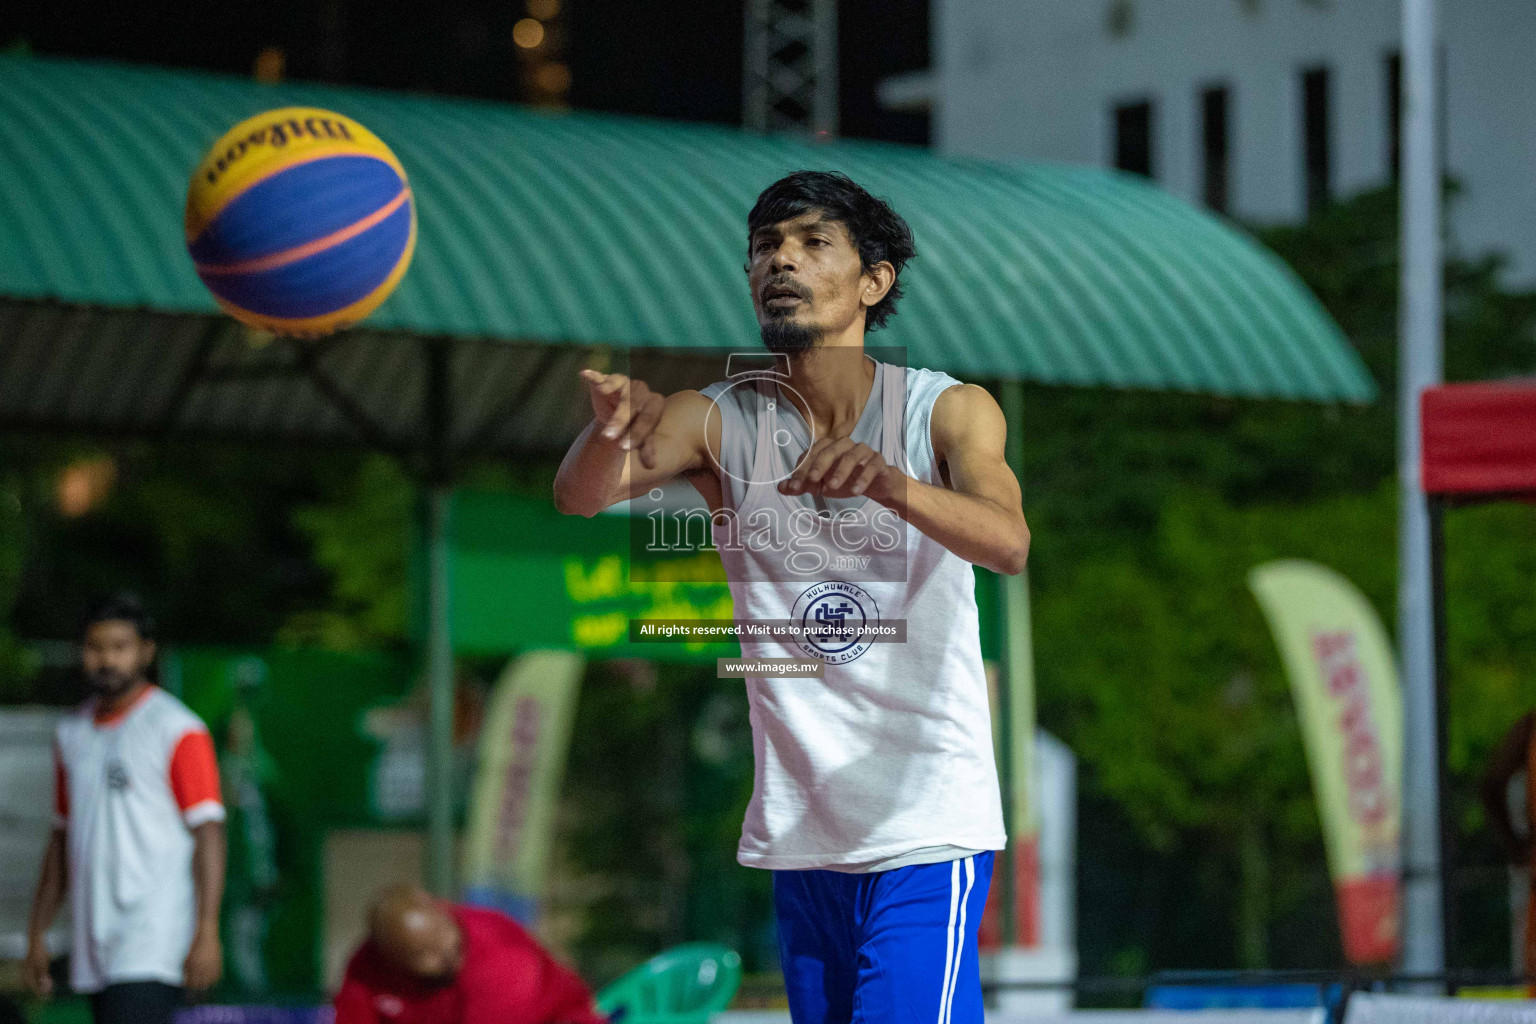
(523, 575)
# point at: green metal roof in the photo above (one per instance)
(579, 230)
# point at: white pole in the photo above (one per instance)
(1420, 345)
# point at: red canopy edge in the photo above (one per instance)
(1479, 439)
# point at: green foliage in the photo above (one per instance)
(359, 534)
(360, 530)
(201, 531)
(658, 778)
(1490, 629)
(14, 668)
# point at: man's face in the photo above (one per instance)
(806, 281)
(114, 656)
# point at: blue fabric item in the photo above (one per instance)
(1289, 995)
(885, 947)
(256, 1015)
(522, 908)
(297, 205)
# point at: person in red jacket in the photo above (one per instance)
(427, 961)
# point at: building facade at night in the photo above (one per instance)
(1261, 109)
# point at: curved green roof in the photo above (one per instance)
(581, 229)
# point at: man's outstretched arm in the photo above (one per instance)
(637, 440)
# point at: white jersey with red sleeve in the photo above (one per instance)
(130, 790)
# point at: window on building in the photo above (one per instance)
(1394, 114)
(1133, 138)
(1315, 132)
(1215, 112)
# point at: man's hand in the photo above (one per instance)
(672, 436)
(625, 411)
(36, 969)
(205, 960)
(45, 904)
(843, 468)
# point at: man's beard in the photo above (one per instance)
(787, 337)
(108, 682)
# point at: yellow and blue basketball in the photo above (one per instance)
(300, 221)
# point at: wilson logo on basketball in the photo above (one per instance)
(277, 135)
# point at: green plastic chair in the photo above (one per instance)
(61, 1011)
(686, 984)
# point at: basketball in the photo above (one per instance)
(300, 221)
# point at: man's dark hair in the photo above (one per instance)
(877, 230)
(123, 606)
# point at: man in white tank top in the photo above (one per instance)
(850, 498)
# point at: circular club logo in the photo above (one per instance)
(832, 614)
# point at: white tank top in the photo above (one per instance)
(888, 760)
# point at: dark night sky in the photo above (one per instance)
(664, 58)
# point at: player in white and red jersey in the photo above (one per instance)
(139, 837)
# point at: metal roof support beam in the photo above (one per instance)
(514, 401)
(242, 374)
(196, 373)
(438, 488)
(438, 354)
(308, 359)
(790, 67)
